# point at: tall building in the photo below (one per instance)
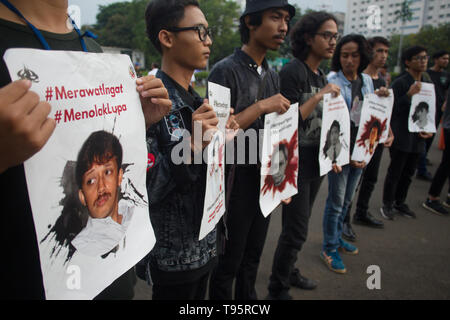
(377, 17)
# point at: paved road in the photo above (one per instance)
(413, 254)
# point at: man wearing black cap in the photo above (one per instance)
(254, 93)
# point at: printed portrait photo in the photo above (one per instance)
(420, 115)
(333, 145)
(96, 211)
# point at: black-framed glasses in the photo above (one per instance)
(328, 35)
(422, 58)
(203, 32)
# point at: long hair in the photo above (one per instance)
(363, 49)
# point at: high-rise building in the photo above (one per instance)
(378, 18)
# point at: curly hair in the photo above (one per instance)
(306, 27)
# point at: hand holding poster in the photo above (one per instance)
(87, 185)
(335, 134)
(423, 110)
(279, 162)
(374, 125)
(214, 206)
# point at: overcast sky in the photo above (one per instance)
(89, 8)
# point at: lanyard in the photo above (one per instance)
(39, 34)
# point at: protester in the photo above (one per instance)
(313, 40)
(254, 93)
(25, 128)
(350, 58)
(443, 172)
(407, 146)
(380, 50)
(441, 80)
(179, 263)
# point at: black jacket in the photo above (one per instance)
(176, 192)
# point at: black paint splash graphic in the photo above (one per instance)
(74, 215)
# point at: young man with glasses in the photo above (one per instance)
(407, 146)
(179, 264)
(313, 40)
(254, 93)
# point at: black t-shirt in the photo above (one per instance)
(378, 83)
(298, 84)
(20, 267)
(441, 82)
(357, 101)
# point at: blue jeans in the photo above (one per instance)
(341, 190)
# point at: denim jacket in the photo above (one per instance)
(339, 79)
(176, 192)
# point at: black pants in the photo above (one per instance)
(399, 176)
(443, 172)
(186, 291)
(367, 184)
(121, 289)
(247, 230)
(295, 220)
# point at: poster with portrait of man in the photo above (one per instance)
(423, 110)
(279, 159)
(335, 134)
(214, 204)
(373, 126)
(87, 185)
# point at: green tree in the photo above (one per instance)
(432, 38)
(223, 18)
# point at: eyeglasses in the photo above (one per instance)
(328, 36)
(203, 32)
(422, 58)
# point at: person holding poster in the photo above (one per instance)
(441, 81)
(432, 203)
(313, 40)
(254, 93)
(380, 50)
(25, 127)
(407, 146)
(349, 60)
(180, 263)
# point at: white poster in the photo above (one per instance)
(335, 134)
(374, 125)
(279, 161)
(87, 185)
(214, 205)
(423, 110)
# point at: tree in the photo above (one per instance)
(404, 14)
(223, 18)
(432, 38)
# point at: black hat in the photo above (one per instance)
(253, 6)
